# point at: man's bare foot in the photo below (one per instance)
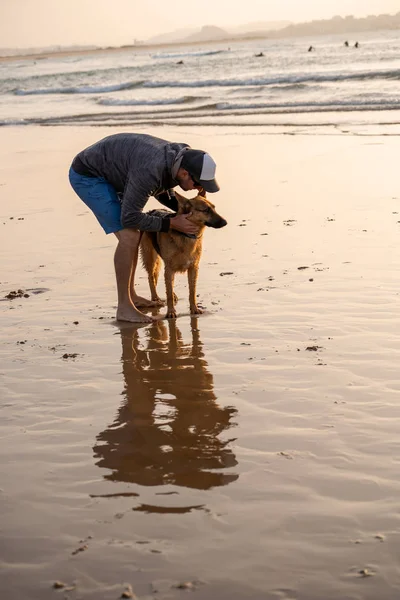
(132, 315)
(141, 302)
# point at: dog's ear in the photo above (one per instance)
(202, 192)
(186, 207)
(184, 204)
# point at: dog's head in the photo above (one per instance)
(202, 211)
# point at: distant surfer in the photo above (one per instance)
(259, 54)
(311, 48)
(356, 45)
(346, 44)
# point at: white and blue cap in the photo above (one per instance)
(201, 167)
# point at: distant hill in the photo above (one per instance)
(340, 24)
(208, 33)
(211, 32)
(259, 26)
(174, 36)
(282, 29)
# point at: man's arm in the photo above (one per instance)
(135, 197)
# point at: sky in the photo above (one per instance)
(41, 23)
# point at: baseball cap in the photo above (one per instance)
(201, 168)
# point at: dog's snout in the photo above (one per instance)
(216, 221)
(221, 223)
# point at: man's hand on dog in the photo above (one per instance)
(182, 223)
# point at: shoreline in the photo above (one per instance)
(346, 123)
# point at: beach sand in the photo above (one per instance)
(250, 453)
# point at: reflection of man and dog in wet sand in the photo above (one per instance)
(170, 428)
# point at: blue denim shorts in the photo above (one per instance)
(102, 199)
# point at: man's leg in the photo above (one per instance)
(125, 261)
(102, 199)
(138, 301)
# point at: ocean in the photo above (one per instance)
(214, 84)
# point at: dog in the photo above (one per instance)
(179, 252)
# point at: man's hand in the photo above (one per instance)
(182, 223)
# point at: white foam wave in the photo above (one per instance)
(291, 79)
(180, 54)
(133, 102)
(78, 90)
(6, 122)
(300, 78)
(313, 106)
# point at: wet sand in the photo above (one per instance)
(249, 453)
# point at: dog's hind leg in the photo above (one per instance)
(192, 280)
(153, 279)
(152, 263)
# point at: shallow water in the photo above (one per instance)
(216, 83)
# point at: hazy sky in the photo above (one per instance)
(35, 23)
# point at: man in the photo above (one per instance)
(115, 178)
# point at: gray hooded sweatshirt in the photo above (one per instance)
(137, 166)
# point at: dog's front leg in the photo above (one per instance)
(169, 287)
(192, 279)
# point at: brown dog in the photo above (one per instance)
(179, 252)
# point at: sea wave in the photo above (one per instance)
(119, 71)
(10, 122)
(180, 54)
(335, 105)
(160, 102)
(80, 89)
(300, 78)
(297, 79)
